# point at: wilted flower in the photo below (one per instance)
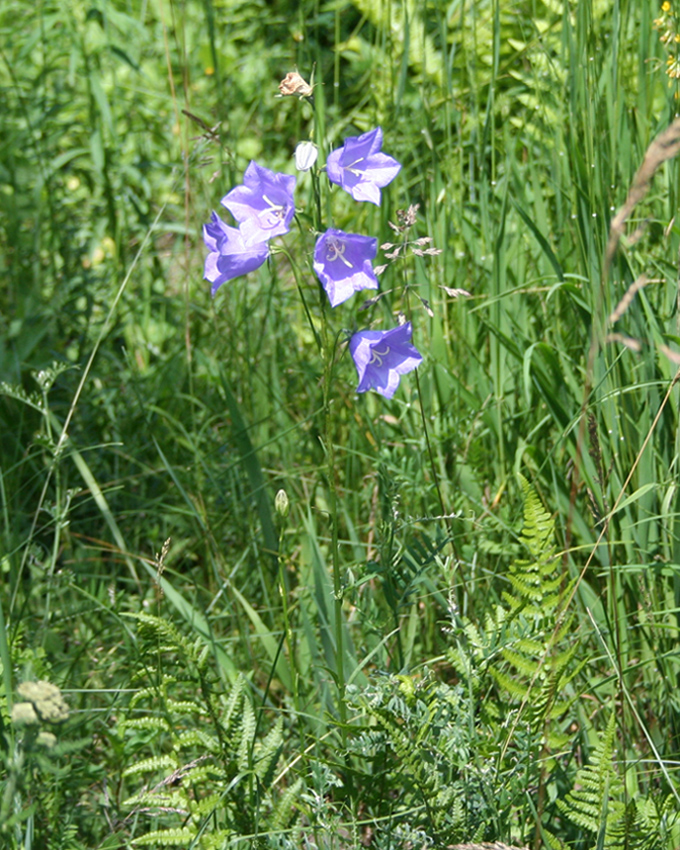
(294, 84)
(306, 154)
(263, 204)
(229, 256)
(382, 357)
(360, 167)
(343, 263)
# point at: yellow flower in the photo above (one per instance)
(666, 7)
(673, 69)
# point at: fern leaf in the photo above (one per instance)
(284, 812)
(594, 800)
(268, 754)
(166, 838)
(154, 764)
(153, 724)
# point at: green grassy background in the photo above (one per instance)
(135, 410)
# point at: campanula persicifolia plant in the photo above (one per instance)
(263, 208)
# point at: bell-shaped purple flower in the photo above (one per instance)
(343, 263)
(360, 167)
(382, 357)
(263, 204)
(229, 256)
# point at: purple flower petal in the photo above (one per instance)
(342, 262)
(382, 357)
(263, 204)
(229, 256)
(361, 168)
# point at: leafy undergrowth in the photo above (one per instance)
(459, 624)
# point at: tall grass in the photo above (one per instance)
(520, 126)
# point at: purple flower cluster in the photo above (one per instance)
(263, 207)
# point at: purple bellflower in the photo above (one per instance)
(360, 167)
(263, 204)
(229, 256)
(382, 357)
(342, 262)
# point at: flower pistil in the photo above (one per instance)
(335, 250)
(377, 357)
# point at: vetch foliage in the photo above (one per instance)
(419, 729)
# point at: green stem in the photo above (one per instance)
(329, 447)
(298, 282)
(284, 590)
(327, 350)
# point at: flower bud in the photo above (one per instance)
(305, 155)
(281, 504)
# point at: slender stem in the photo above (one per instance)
(327, 347)
(298, 282)
(329, 447)
(423, 419)
(284, 590)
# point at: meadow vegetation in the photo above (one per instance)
(461, 623)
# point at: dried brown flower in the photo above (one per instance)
(295, 85)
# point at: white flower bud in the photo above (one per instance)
(305, 155)
(281, 504)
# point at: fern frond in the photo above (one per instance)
(168, 637)
(163, 800)
(153, 764)
(187, 738)
(244, 736)
(200, 780)
(151, 723)
(207, 805)
(285, 810)
(539, 527)
(232, 710)
(166, 838)
(595, 799)
(268, 753)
